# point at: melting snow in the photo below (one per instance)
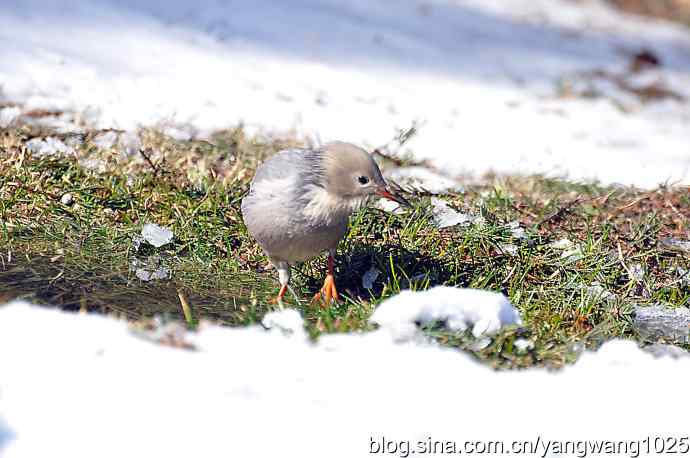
(149, 268)
(50, 146)
(85, 385)
(445, 216)
(423, 178)
(8, 116)
(105, 140)
(508, 86)
(485, 312)
(288, 321)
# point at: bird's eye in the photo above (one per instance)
(363, 180)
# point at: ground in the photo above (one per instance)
(573, 258)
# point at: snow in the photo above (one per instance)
(445, 216)
(485, 312)
(8, 116)
(571, 251)
(105, 140)
(421, 177)
(83, 385)
(288, 321)
(156, 235)
(492, 85)
(50, 146)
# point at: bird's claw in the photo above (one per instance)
(328, 292)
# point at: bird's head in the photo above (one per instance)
(351, 173)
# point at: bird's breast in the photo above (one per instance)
(323, 208)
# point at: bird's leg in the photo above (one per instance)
(284, 278)
(281, 292)
(328, 292)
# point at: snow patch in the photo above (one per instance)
(288, 321)
(424, 179)
(8, 115)
(502, 86)
(445, 216)
(105, 140)
(485, 312)
(251, 393)
(50, 146)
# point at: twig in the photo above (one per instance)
(634, 202)
(561, 211)
(150, 162)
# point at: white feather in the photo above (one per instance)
(326, 207)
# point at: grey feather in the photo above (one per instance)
(300, 200)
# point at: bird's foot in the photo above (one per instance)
(278, 300)
(328, 292)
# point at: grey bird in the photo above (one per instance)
(300, 201)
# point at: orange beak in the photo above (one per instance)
(385, 193)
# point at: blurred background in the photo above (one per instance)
(584, 89)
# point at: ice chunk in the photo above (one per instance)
(596, 291)
(156, 235)
(562, 244)
(485, 312)
(508, 248)
(130, 143)
(681, 246)
(445, 216)
(149, 269)
(637, 272)
(161, 273)
(370, 277)
(684, 276)
(659, 322)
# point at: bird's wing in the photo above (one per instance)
(287, 164)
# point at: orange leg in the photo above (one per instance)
(281, 293)
(328, 292)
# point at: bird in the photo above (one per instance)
(299, 203)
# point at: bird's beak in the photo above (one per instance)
(395, 197)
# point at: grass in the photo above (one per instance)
(69, 225)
